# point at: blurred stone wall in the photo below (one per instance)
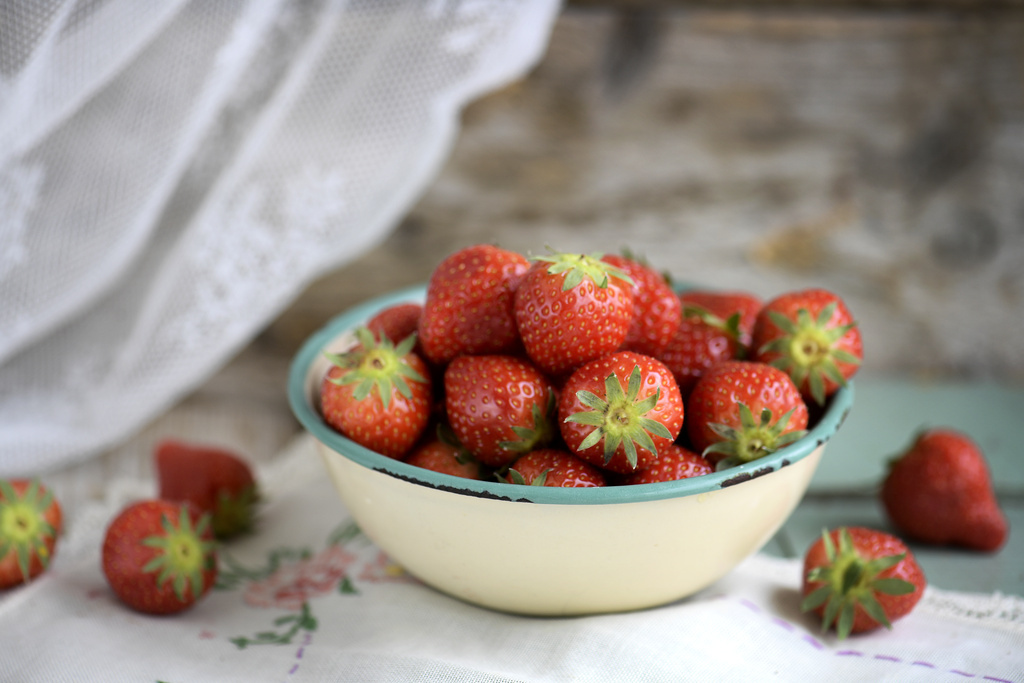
(876, 153)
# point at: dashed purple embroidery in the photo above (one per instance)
(818, 645)
(814, 642)
(301, 651)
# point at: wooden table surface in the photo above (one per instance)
(768, 186)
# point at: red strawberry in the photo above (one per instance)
(656, 308)
(215, 480)
(159, 557)
(572, 309)
(468, 309)
(722, 307)
(30, 522)
(939, 491)
(499, 407)
(438, 456)
(696, 346)
(858, 579)
(742, 410)
(812, 336)
(619, 411)
(554, 467)
(673, 462)
(396, 322)
(378, 394)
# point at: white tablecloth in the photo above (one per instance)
(308, 598)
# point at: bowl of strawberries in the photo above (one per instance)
(570, 433)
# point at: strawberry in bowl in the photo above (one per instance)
(557, 516)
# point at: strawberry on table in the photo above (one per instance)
(939, 491)
(159, 557)
(554, 467)
(30, 522)
(742, 410)
(619, 411)
(499, 407)
(858, 579)
(468, 308)
(812, 336)
(656, 307)
(378, 394)
(673, 463)
(571, 309)
(215, 480)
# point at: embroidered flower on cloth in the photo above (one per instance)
(293, 584)
(382, 569)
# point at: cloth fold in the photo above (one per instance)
(309, 598)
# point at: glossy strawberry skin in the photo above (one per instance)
(488, 397)
(871, 544)
(396, 322)
(939, 491)
(562, 330)
(468, 307)
(695, 347)
(443, 458)
(593, 377)
(215, 480)
(391, 430)
(558, 468)
(673, 463)
(657, 309)
(125, 556)
(814, 302)
(41, 541)
(716, 397)
(724, 304)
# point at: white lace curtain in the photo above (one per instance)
(172, 174)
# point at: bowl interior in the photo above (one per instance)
(309, 367)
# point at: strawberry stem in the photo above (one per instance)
(181, 554)
(619, 418)
(850, 581)
(376, 365)
(23, 527)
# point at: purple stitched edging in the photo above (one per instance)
(818, 645)
(301, 651)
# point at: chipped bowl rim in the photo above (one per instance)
(306, 373)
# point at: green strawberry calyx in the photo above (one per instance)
(620, 418)
(233, 512)
(849, 580)
(517, 478)
(539, 433)
(182, 556)
(23, 526)
(579, 266)
(377, 364)
(755, 438)
(808, 349)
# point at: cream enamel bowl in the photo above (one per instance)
(554, 551)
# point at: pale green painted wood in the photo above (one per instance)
(887, 413)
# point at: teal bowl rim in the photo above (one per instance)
(303, 407)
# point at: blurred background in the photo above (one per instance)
(874, 148)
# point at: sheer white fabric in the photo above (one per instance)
(173, 174)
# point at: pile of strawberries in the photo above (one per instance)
(586, 370)
(564, 370)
